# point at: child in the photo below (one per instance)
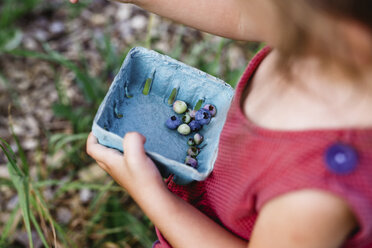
(294, 167)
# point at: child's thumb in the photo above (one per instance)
(134, 150)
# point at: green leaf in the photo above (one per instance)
(146, 88)
(198, 104)
(9, 224)
(172, 96)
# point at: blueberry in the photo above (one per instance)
(191, 142)
(186, 118)
(203, 116)
(179, 107)
(173, 122)
(193, 151)
(184, 129)
(190, 161)
(211, 108)
(195, 126)
(198, 139)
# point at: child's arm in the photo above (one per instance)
(236, 19)
(180, 223)
(306, 219)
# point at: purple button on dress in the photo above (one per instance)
(341, 158)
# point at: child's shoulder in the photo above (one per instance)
(305, 101)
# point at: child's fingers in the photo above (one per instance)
(134, 150)
(101, 153)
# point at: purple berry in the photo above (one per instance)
(198, 139)
(193, 151)
(184, 129)
(211, 108)
(195, 126)
(173, 122)
(179, 107)
(190, 161)
(191, 113)
(203, 116)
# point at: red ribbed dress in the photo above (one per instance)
(255, 165)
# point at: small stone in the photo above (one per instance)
(85, 195)
(4, 173)
(64, 215)
(21, 237)
(12, 203)
(41, 35)
(139, 22)
(56, 27)
(123, 12)
(98, 19)
(48, 194)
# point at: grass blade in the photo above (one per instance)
(24, 202)
(6, 182)
(54, 225)
(92, 90)
(20, 149)
(12, 165)
(70, 138)
(38, 230)
(10, 224)
(21, 183)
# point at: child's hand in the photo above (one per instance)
(182, 224)
(134, 171)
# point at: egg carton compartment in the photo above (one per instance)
(140, 99)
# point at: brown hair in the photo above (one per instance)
(306, 22)
(359, 10)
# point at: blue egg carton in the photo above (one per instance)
(139, 100)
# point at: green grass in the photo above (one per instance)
(107, 218)
(10, 12)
